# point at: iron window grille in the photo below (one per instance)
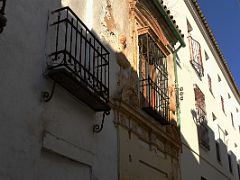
(153, 79)
(203, 131)
(196, 56)
(79, 62)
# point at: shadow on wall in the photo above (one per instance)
(211, 159)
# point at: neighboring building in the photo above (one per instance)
(209, 101)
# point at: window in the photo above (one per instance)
(238, 167)
(218, 153)
(203, 134)
(202, 178)
(230, 163)
(189, 27)
(219, 79)
(232, 119)
(195, 56)
(229, 96)
(206, 56)
(209, 84)
(222, 103)
(153, 77)
(199, 101)
(214, 117)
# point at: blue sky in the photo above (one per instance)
(223, 17)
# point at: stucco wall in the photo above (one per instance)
(55, 139)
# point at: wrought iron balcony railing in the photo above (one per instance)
(80, 62)
(196, 56)
(154, 100)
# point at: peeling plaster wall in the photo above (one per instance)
(51, 140)
(54, 140)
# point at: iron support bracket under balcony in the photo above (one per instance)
(98, 128)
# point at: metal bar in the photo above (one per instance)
(71, 32)
(89, 57)
(80, 52)
(101, 67)
(76, 47)
(65, 44)
(85, 56)
(57, 36)
(94, 63)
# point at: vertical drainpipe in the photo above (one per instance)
(177, 87)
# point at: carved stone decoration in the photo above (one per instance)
(172, 104)
(127, 77)
(127, 87)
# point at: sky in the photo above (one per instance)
(223, 17)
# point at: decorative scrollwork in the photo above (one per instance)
(98, 128)
(48, 96)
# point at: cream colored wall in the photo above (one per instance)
(194, 166)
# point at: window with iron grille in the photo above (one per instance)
(203, 131)
(218, 153)
(153, 77)
(195, 55)
(79, 61)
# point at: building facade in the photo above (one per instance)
(52, 105)
(88, 90)
(98, 90)
(209, 100)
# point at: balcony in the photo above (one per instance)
(79, 61)
(196, 56)
(154, 101)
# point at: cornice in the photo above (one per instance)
(135, 114)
